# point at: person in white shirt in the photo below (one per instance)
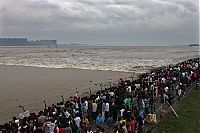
(128, 89)
(67, 114)
(85, 106)
(77, 121)
(163, 80)
(103, 109)
(94, 111)
(179, 94)
(178, 90)
(122, 112)
(107, 109)
(165, 97)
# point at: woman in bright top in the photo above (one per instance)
(85, 120)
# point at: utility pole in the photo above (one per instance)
(45, 105)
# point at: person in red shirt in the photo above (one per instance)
(61, 130)
(132, 124)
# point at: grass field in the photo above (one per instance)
(189, 116)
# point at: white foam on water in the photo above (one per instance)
(127, 59)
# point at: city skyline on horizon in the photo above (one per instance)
(84, 44)
(25, 42)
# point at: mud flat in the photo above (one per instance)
(29, 86)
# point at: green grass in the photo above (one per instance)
(189, 116)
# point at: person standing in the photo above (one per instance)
(94, 111)
(90, 110)
(103, 109)
(114, 109)
(132, 125)
(124, 127)
(99, 120)
(107, 109)
(77, 120)
(110, 123)
(68, 129)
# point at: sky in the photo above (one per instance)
(107, 22)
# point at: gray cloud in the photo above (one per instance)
(147, 22)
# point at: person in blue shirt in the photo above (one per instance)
(99, 119)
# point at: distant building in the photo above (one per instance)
(43, 42)
(192, 45)
(13, 41)
(25, 42)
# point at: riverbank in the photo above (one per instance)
(188, 111)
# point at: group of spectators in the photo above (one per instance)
(118, 109)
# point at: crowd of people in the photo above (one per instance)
(117, 109)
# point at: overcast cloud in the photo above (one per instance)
(117, 22)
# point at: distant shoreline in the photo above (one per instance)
(117, 45)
